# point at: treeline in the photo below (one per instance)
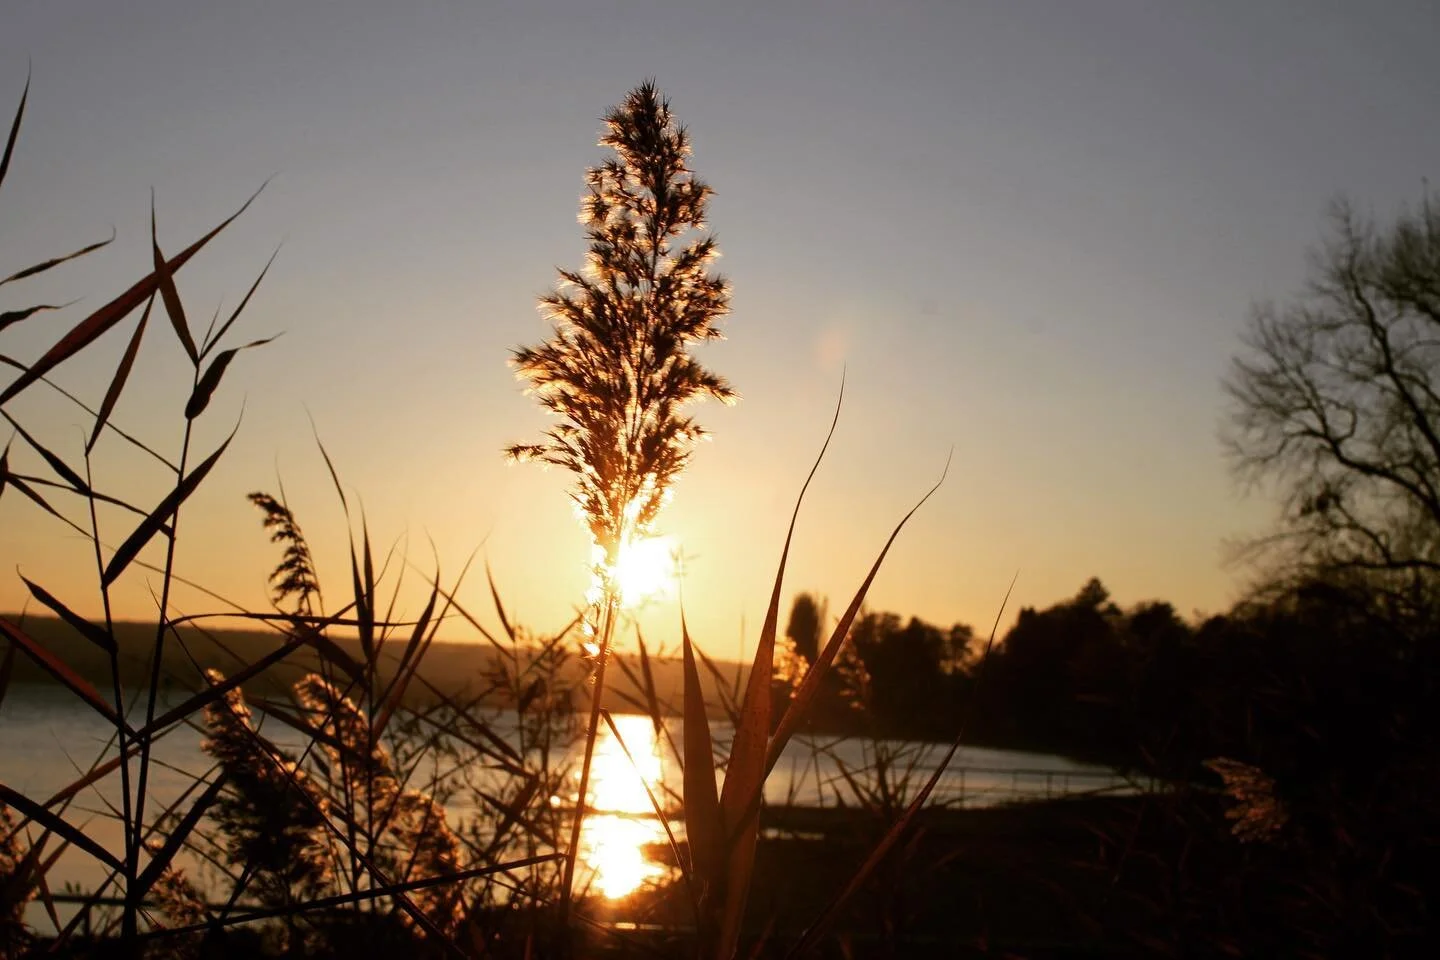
(1313, 674)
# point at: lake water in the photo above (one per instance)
(48, 738)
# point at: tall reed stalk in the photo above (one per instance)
(617, 371)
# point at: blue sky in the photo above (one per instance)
(1030, 231)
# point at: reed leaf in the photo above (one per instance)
(651, 698)
(44, 265)
(210, 380)
(98, 771)
(703, 825)
(746, 772)
(330, 466)
(497, 748)
(313, 635)
(25, 489)
(92, 327)
(499, 605)
(729, 693)
(79, 624)
(54, 822)
(122, 375)
(161, 515)
(396, 890)
(14, 131)
(469, 618)
(61, 468)
(810, 686)
(311, 732)
(645, 700)
(212, 342)
(47, 899)
(165, 279)
(62, 672)
(161, 860)
(199, 701)
(10, 317)
(137, 444)
(409, 663)
(514, 813)
(364, 593)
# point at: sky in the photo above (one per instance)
(1030, 233)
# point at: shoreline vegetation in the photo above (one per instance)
(1296, 735)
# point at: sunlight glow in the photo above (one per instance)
(623, 822)
(615, 847)
(645, 569)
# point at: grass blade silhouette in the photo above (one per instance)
(53, 262)
(205, 387)
(165, 280)
(14, 131)
(810, 685)
(212, 342)
(162, 859)
(122, 375)
(11, 317)
(87, 331)
(161, 515)
(745, 774)
(61, 671)
(704, 827)
(53, 821)
(79, 624)
(63, 469)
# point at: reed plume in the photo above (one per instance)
(1256, 812)
(294, 577)
(272, 815)
(405, 831)
(617, 371)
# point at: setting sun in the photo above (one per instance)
(645, 569)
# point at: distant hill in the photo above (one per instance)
(453, 669)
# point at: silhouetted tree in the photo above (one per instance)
(959, 648)
(909, 683)
(1337, 401)
(806, 626)
(1057, 680)
(1094, 596)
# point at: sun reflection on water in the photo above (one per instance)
(622, 821)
